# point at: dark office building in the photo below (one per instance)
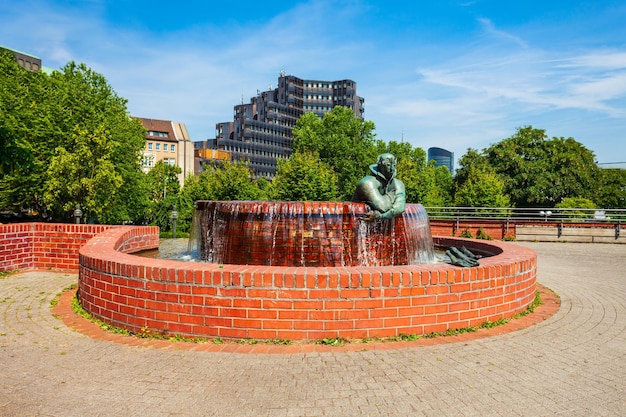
(442, 157)
(261, 131)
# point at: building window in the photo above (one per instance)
(158, 146)
(149, 146)
(172, 149)
(158, 134)
(165, 147)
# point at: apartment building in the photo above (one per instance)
(169, 142)
(261, 132)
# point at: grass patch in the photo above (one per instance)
(168, 235)
(333, 341)
(4, 274)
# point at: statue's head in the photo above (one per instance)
(386, 165)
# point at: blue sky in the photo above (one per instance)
(454, 74)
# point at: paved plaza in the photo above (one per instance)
(571, 364)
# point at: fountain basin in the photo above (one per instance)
(298, 303)
(318, 234)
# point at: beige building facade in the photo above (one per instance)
(169, 142)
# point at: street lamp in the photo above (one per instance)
(174, 216)
(545, 214)
(78, 213)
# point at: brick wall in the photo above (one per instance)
(496, 229)
(51, 246)
(298, 303)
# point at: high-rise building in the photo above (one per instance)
(169, 142)
(442, 157)
(261, 132)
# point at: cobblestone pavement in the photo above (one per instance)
(572, 364)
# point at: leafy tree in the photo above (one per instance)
(230, 181)
(23, 124)
(343, 142)
(482, 188)
(575, 203)
(195, 189)
(51, 125)
(402, 151)
(541, 172)
(472, 160)
(84, 174)
(611, 193)
(82, 99)
(444, 186)
(163, 186)
(233, 181)
(477, 184)
(303, 177)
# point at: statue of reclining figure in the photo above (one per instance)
(381, 190)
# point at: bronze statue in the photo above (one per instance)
(381, 190)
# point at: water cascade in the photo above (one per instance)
(316, 234)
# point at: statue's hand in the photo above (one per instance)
(371, 216)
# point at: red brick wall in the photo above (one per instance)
(52, 246)
(496, 229)
(298, 303)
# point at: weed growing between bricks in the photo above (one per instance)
(4, 274)
(336, 341)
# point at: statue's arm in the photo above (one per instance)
(397, 205)
(367, 191)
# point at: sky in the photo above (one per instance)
(455, 74)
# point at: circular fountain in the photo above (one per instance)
(243, 300)
(315, 234)
(312, 270)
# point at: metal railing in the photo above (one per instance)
(559, 215)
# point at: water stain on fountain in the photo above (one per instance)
(315, 234)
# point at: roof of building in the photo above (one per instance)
(156, 125)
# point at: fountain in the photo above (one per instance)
(306, 271)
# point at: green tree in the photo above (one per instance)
(343, 142)
(540, 171)
(164, 188)
(195, 188)
(24, 123)
(611, 193)
(83, 174)
(477, 184)
(82, 99)
(576, 203)
(303, 177)
(47, 123)
(444, 186)
(233, 181)
(402, 151)
(482, 188)
(229, 181)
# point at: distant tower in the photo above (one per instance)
(442, 157)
